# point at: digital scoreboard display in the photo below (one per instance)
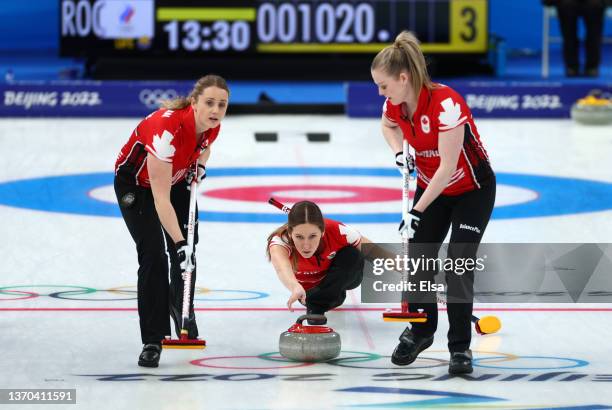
(198, 28)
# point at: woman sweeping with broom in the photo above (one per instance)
(152, 175)
(456, 186)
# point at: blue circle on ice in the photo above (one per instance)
(70, 194)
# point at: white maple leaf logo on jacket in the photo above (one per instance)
(163, 147)
(450, 117)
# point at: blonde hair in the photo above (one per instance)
(404, 54)
(303, 212)
(203, 83)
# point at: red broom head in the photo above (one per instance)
(405, 317)
(183, 343)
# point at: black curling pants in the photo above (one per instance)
(468, 214)
(345, 273)
(592, 12)
(157, 257)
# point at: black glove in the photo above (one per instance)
(201, 174)
(411, 223)
(400, 160)
(186, 256)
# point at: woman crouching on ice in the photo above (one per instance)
(316, 258)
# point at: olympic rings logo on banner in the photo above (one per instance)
(152, 98)
(21, 292)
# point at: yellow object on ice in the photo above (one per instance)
(404, 319)
(489, 324)
(594, 109)
(594, 101)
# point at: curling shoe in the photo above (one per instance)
(409, 348)
(461, 362)
(150, 355)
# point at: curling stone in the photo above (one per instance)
(309, 343)
(592, 110)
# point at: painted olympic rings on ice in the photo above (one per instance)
(205, 362)
(573, 363)
(128, 293)
(350, 358)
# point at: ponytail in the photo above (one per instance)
(404, 54)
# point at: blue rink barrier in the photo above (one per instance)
(139, 98)
(361, 99)
(86, 98)
(496, 99)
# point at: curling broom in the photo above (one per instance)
(486, 325)
(404, 315)
(183, 341)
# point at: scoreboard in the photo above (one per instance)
(198, 28)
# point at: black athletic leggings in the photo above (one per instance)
(344, 273)
(468, 214)
(593, 13)
(157, 257)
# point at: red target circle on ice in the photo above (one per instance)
(317, 193)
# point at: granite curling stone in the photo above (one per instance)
(309, 343)
(593, 110)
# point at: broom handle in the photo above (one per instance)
(279, 205)
(406, 205)
(190, 239)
